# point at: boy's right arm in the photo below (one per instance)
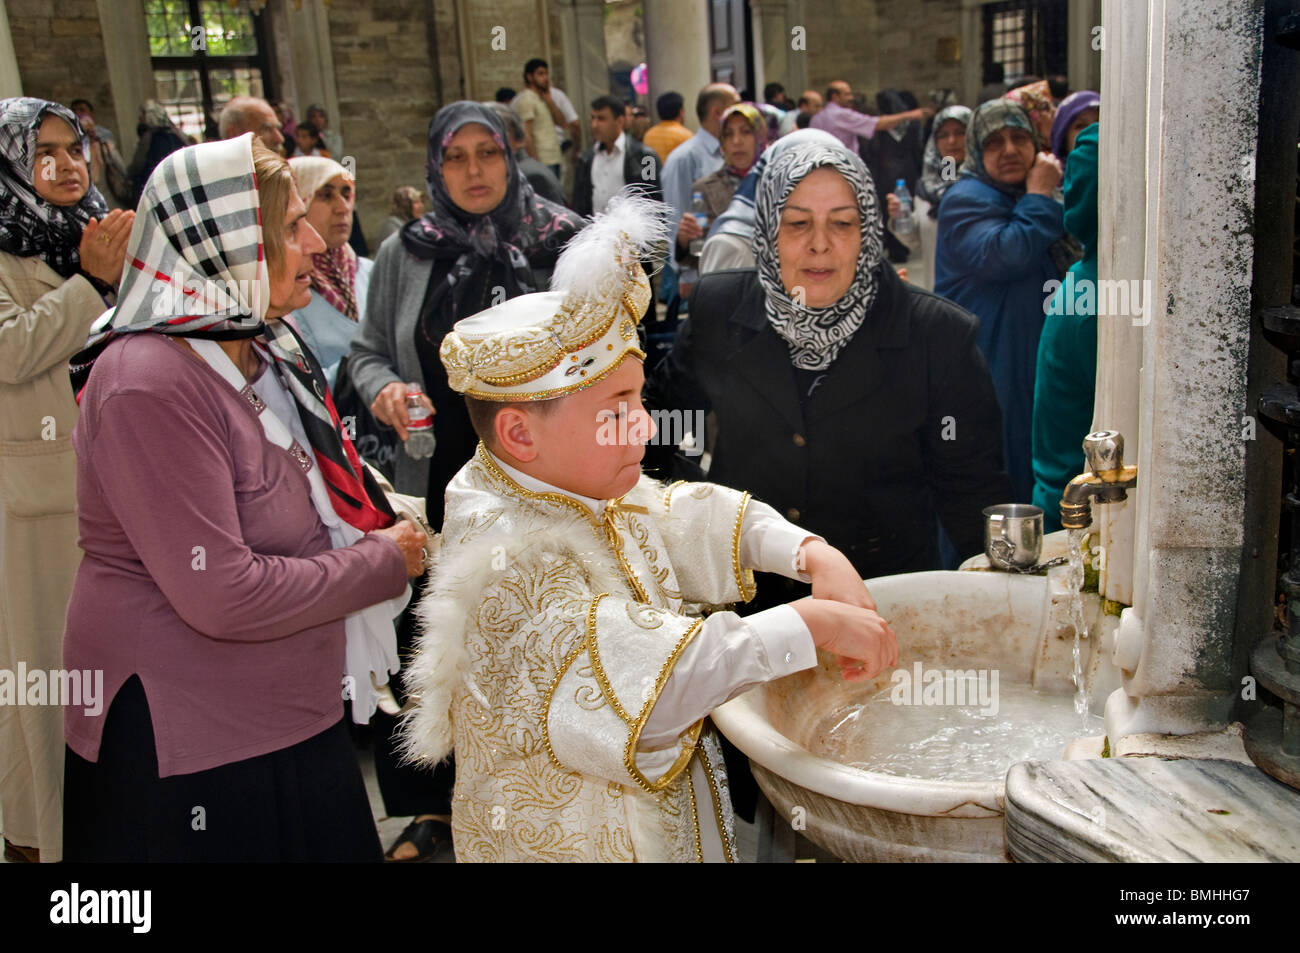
(733, 654)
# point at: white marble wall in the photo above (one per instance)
(1194, 245)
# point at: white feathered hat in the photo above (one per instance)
(552, 343)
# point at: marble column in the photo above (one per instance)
(796, 63)
(11, 83)
(677, 50)
(1082, 19)
(130, 71)
(1122, 201)
(585, 58)
(1175, 643)
(313, 62)
(971, 51)
(772, 51)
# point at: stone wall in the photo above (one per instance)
(888, 43)
(909, 34)
(387, 72)
(503, 36)
(60, 52)
(842, 43)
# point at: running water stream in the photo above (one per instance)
(1075, 582)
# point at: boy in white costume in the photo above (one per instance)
(564, 656)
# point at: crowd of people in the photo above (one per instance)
(219, 502)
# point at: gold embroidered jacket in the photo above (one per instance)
(548, 634)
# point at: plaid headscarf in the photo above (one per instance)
(815, 336)
(30, 225)
(196, 268)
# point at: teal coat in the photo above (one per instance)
(1067, 350)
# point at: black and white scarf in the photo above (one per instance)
(30, 225)
(816, 335)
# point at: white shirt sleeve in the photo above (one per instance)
(771, 543)
(728, 656)
(562, 100)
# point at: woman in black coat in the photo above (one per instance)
(856, 404)
(868, 414)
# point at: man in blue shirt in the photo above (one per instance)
(695, 158)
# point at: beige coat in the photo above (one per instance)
(44, 320)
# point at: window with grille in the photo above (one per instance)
(1026, 37)
(204, 53)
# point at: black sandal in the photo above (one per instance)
(427, 837)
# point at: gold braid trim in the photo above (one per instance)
(601, 527)
(485, 458)
(668, 493)
(629, 753)
(597, 668)
(744, 577)
(550, 695)
(616, 544)
(583, 384)
(717, 807)
(695, 819)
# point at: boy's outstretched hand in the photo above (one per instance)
(864, 642)
(833, 576)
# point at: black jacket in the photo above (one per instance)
(902, 432)
(640, 165)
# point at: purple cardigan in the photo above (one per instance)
(207, 571)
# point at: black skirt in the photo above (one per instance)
(304, 803)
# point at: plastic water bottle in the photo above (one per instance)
(701, 213)
(420, 440)
(905, 224)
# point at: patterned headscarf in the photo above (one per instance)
(989, 118)
(524, 231)
(1036, 98)
(334, 270)
(196, 268)
(933, 183)
(816, 335)
(757, 123)
(30, 225)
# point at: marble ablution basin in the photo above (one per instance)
(829, 759)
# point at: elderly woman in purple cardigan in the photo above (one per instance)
(233, 542)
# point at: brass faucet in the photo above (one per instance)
(1107, 479)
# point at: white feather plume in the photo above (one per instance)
(632, 227)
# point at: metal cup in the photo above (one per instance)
(1013, 536)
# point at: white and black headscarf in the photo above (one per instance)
(30, 225)
(816, 335)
